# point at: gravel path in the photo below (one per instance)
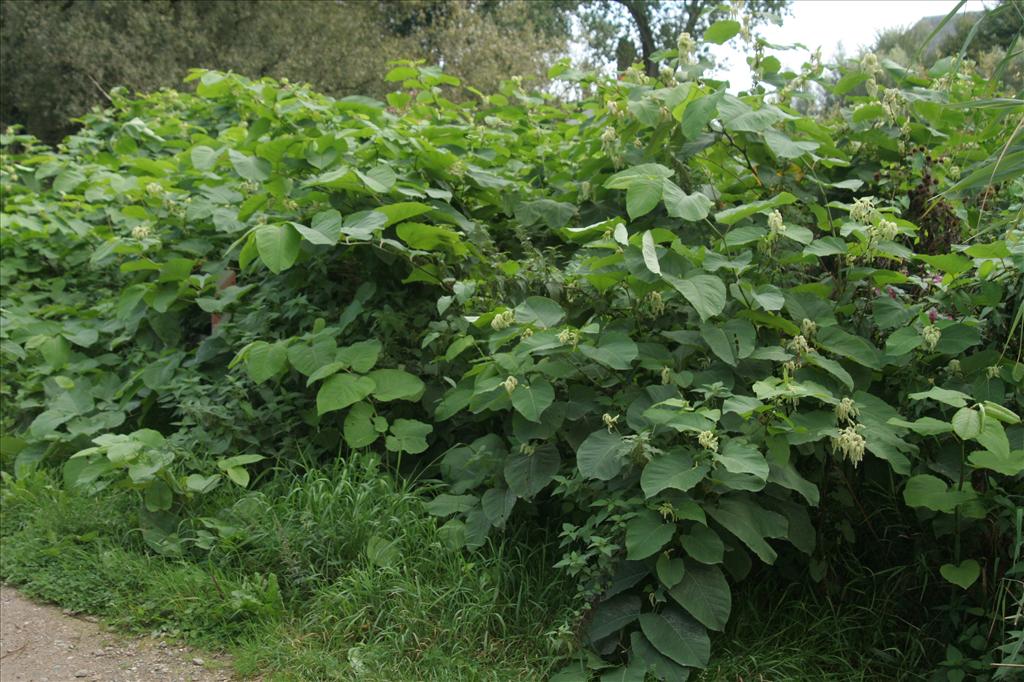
(45, 644)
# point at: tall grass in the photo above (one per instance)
(324, 575)
(339, 574)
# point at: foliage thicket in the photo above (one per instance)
(700, 333)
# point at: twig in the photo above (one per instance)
(100, 88)
(743, 151)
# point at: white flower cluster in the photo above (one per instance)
(799, 345)
(850, 444)
(685, 45)
(666, 375)
(885, 230)
(738, 12)
(510, 384)
(775, 228)
(846, 410)
(503, 320)
(808, 327)
(569, 337)
(154, 189)
(708, 440)
(584, 191)
(610, 421)
(863, 210)
(141, 232)
(653, 304)
(175, 207)
(931, 335)
(892, 103)
(869, 63)
(810, 70)
(610, 145)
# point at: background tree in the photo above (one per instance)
(991, 39)
(655, 24)
(59, 57)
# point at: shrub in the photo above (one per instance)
(692, 329)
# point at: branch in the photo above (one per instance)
(746, 158)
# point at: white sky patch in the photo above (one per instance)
(828, 24)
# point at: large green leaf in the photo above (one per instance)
(531, 401)
(642, 196)
(679, 204)
(278, 246)
(650, 253)
(527, 474)
(497, 505)
(673, 470)
(612, 615)
(613, 349)
(359, 429)
(721, 31)
(704, 545)
(963, 575)
(249, 167)
(678, 637)
(360, 356)
(539, 311)
(396, 384)
(967, 423)
(751, 523)
(309, 357)
(732, 216)
(408, 435)
(643, 185)
(931, 492)
(264, 360)
(705, 594)
(646, 534)
(740, 457)
(847, 345)
(431, 238)
(947, 396)
(601, 455)
(342, 390)
(706, 293)
(1010, 464)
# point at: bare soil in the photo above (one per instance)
(42, 643)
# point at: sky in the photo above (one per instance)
(829, 23)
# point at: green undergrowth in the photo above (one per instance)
(342, 575)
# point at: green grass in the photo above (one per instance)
(297, 591)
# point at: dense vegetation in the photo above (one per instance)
(695, 337)
(82, 49)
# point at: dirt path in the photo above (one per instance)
(44, 644)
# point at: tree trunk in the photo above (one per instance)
(639, 11)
